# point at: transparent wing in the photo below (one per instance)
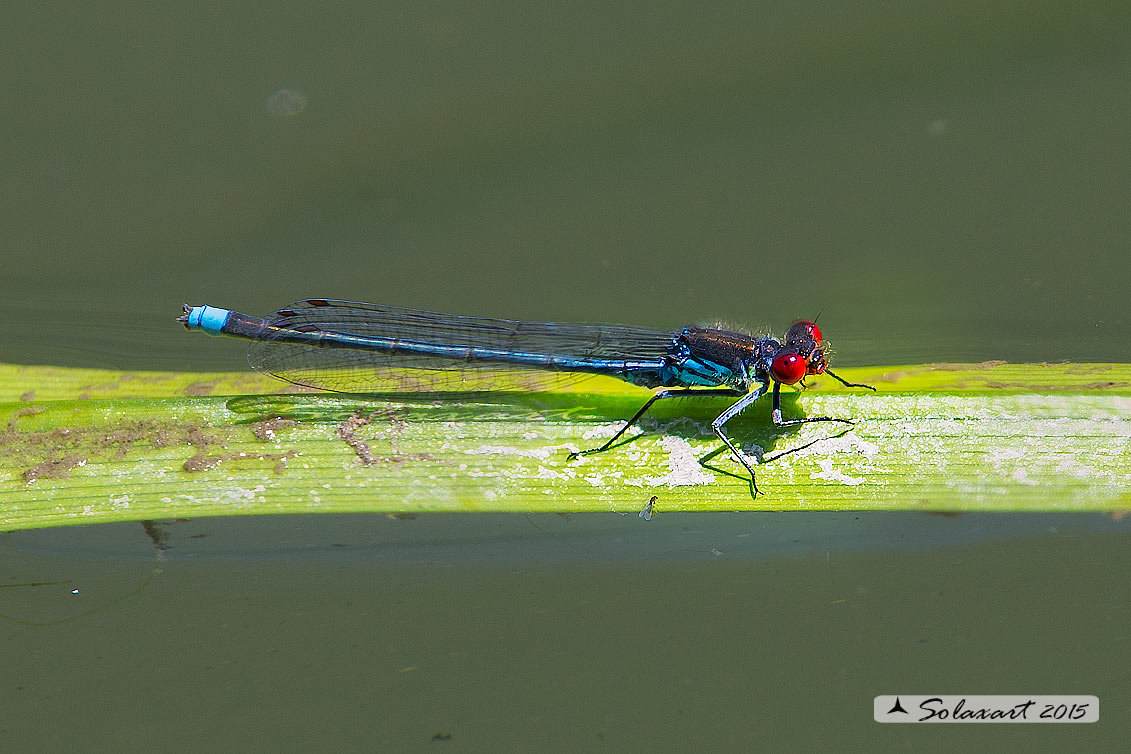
(346, 370)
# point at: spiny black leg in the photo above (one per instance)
(811, 443)
(682, 393)
(636, 417)
(791, 422)
(719, 425)
(844, 382)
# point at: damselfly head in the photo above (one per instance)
(803, 330)
(801, 354)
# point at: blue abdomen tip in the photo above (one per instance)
(207, 318)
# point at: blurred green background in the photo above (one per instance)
(940, 181)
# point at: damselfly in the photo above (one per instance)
(363, 348)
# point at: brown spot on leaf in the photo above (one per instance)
(21, 413)
(199, 389)
(265, 430)
(198, 437)
(58, 468)
(201, 462)
(347, 431)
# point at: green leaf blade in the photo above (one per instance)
(934, 437)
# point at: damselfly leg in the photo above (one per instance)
(718, 426)
(686, 393)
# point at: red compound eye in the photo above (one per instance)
(804, 330)
(788, 367)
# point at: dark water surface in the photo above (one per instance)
(732, 632)
(940, 182)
